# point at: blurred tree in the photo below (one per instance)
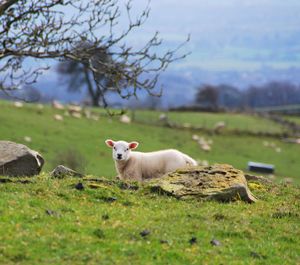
(77, 74)
(30, 94)
(229, 96)
(272, 94)
(54, 29)
(207, 95)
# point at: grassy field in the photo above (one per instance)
(50, 222)
(237, 121)
(295, 119)
(86, 137)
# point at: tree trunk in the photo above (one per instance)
(93, 94)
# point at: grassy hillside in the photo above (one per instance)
(50, 222)
(237, 121)
(86, 137)
(295, 119)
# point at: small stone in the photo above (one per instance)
(266, 144)
(193, 240)
(61, 172)
(128, 186)
(145, 233)
(27, 139)
(195, 137)
(79, 186)
(219, 216)
(51, 213)
(99, 233)
(256, 255)
(111, 199)
(278, 149)
(215, 242)
(163, 241)
(105, 217)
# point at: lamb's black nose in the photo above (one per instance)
(119, 156)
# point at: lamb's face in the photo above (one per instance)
(121, 149)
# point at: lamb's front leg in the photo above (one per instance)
(118, 177)
(133, 176)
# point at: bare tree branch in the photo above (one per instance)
(44, 29)
(5, 4)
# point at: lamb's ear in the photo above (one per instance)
(110, 143)
(133, 145)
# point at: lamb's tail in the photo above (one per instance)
(189, 161)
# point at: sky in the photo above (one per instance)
(227, 33)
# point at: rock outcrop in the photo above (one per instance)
(218, 182)
(19, 160)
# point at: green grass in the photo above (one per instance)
(295, 119)
(87, 137)
(237, 121)
(50, 222)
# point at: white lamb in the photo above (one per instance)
(140, 166)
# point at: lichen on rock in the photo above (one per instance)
(62, 172)
(217, 182)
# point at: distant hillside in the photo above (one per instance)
(83, 138)
(179, 85)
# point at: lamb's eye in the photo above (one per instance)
(127, 149)
(115, 148)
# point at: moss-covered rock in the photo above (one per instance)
(62, 172)
(218, 182)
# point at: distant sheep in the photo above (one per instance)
(140, 166)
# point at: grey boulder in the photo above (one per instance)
(19, 160)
